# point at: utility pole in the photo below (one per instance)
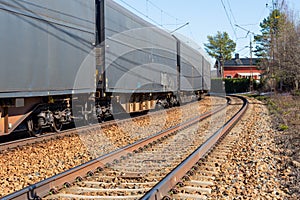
(251, 77)
(250, 46)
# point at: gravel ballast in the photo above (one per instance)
(255, 169)
(27, 165)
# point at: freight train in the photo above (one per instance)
(85, 60)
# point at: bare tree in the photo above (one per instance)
(287, 51)
(279, 48)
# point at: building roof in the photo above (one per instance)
(241, 62)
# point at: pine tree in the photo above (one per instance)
(220, 45)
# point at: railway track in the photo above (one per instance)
(78, 130)
(131, 171)
(193, 178)
(32, 163)
(198, 182)
(49, 136)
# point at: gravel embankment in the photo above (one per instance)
(29, 164)
(285, 114)
(255, 168)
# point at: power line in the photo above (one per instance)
(147, 15)
(282, 4)
(148, 3)
(147, 9)
(171, 16)
(231, 11)
(242, 49)
(155, 22)
(161, 10)
(191, 32)
(229, 19)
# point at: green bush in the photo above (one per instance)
(237, 85)
(262, 98)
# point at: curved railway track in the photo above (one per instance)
(78, 130)
(147, 165)
(191, 164)
(32, 163)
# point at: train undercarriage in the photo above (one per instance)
(37, 114)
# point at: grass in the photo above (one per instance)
(286, 109)
(283, 127)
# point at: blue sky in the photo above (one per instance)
(206, 17)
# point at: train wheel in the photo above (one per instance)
(159, 106)
(33, 130)
(57, 125)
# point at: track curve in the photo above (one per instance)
(104, 164)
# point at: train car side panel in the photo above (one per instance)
(206, 75)
(46, 44)
(191, 69)
(139, 58)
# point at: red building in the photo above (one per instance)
(242, 68)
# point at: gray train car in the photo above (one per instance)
(85, 60)
(46, 51)
(46, 44)
(206, 74)
(139, 65)
(194, 72)
(191, 65)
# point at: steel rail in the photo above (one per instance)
(161, 189)
(63, 179)
(49, 136)
(73, 131)
(68, 132)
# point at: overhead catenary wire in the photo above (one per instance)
(258, 19)
(246, 47)
(229, 19)
(234, 20)
(171, 16)
(149, 3)
(162, 11)
(164, 24)
(245, 55)
(136, 10)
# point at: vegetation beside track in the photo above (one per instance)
(285, 114)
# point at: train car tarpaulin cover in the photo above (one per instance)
(46, 47)
(138, 56)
